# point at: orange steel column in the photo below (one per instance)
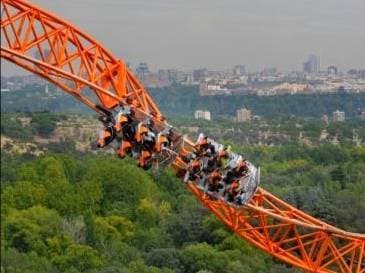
(54, 49)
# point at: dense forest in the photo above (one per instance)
(68, 211)
(96, 213)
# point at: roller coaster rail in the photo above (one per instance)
(56, 50)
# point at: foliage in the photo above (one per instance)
(91, 212)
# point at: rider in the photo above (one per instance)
(141, 131)
(229, 177)
(163, 140)
(193, 170)
(233, 191)
(214, 181)
(241, 168)
(126, 127)
(107, 133)
(216, 160)
(123, 117)
(146, 139)
(204, 146)
(186, 155)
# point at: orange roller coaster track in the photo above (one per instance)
(56, 50)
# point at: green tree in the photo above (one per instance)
(80, 257)
(203, 257)
(24, 194)
(28, 230)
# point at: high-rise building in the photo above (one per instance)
(243, 115)
(201, 114)
(338, 116)
(312, 65)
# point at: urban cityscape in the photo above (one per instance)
(268, 82)
(238, 80)
(313, 79)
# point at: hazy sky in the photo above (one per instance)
(221, 33)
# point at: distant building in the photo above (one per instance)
(206, 89)
(332, 70)
(362, 73)
(312, 65)
(201, 114)
(142, 70)
(362, 115)
(269, 71)
(239, 70)
(338, 116)
(325, 119)
(189, 79)
(292, 88)
(243, 115)
(352, 72)
(256, 118)
(200, 74)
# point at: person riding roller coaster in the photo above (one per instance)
(241, 169)
(216, 160)
(146, 140)
(147, 149)
(214, 181)
(193, 170)
(222, 155)
(233, 192)
(186, 156)
(125, 128)
(123, 118)
(204, 147)
(163, 140)
(107, 133)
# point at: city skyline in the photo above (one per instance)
(192, 34)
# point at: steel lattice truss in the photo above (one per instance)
(54, 49)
